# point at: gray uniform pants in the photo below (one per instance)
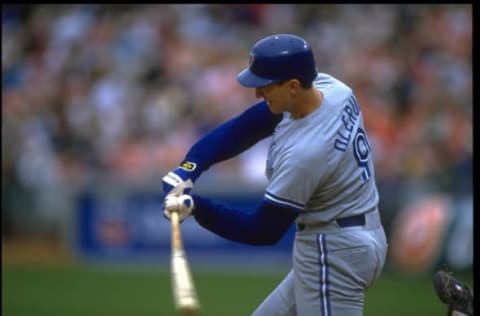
(332, 269)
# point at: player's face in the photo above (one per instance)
(276, 95)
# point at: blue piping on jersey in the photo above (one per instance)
(323, 276)
(283, 202)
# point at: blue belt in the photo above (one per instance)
(356, 220)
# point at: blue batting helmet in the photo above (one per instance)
(276, 58)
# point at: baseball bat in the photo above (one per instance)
(184, 294)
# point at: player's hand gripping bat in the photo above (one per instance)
(185, 297)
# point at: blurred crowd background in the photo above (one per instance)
(118, 93)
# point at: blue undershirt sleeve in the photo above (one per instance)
(264, 226)
(233, 137)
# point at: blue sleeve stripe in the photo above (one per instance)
(283, 202)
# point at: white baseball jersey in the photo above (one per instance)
(321, 163)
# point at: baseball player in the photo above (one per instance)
(321, 178)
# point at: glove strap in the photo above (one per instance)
(172, 179)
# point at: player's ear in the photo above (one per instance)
(293, 86)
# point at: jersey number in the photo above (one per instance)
(361, 152)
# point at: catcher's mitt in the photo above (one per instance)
(458, 296)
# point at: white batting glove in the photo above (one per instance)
(182, 204)
(176, 183)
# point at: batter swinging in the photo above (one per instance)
(320, 173)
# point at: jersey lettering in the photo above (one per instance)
(361, 147)
(350, 114)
